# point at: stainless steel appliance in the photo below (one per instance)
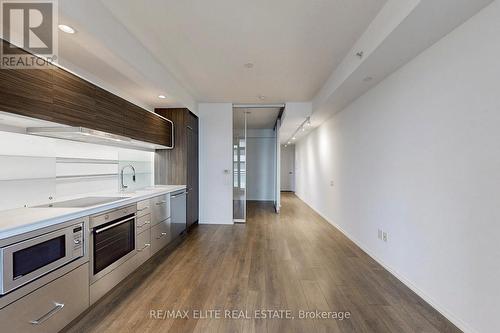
(27, 260)
(178, 212)
(112, 240)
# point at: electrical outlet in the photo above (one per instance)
(379, 234)
(332, 183)
(385, 237)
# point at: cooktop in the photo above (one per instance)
(81, 202)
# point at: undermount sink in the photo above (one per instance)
(82, 202)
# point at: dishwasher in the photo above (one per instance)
(178, 213)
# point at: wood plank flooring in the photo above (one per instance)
(293, 261)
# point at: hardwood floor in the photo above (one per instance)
(295, 261)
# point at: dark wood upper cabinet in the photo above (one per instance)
(27, 92)
(151, 130)
(59, 96)
(179, 166)
(74, 100)
(110, 112)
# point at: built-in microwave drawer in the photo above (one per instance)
(143, 223)
(160, 208)
(143, 207)
(160, 236)
(50, 308)
(28, 260)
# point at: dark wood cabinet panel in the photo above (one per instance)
(59, 96)
(110, 113)
(179, 166)
(73, 100)
(152, 130)
(192, 122)
(192, 176)
(175, 172)
(27, 92)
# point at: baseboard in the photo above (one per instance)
(441, 309)
(216, 222)
(259, 200)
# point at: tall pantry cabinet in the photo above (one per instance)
(179, 166)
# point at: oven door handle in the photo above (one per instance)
(97, 231)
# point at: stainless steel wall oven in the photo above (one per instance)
(112, 240)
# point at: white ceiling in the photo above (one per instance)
(257, 118)
(294, 45)
(301, 50)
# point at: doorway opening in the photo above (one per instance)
(255, 153)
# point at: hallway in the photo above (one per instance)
(294, 261)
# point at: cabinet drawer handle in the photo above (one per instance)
(49, 314)
(142, 209)
(161, 203)
(162, 234)
(145, 247)
(142, 225)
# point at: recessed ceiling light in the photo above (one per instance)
(66, 28)
(248, 65)
(294, 138)
(162, 96)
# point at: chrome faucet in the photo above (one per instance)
(121, 175)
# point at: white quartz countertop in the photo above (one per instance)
(18, 221)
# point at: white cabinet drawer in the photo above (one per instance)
(143, 207)
(50, 308)
(143, 223)
(160, 208)
(160, 236)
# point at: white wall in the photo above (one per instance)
(419, 157)
(32, 170)
(215, 139)
(261, 157)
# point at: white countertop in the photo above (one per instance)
(14, 222)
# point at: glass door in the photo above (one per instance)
(239, 165)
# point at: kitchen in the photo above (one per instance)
(84, 199)
(249, 166)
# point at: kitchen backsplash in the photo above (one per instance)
(37, 170)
